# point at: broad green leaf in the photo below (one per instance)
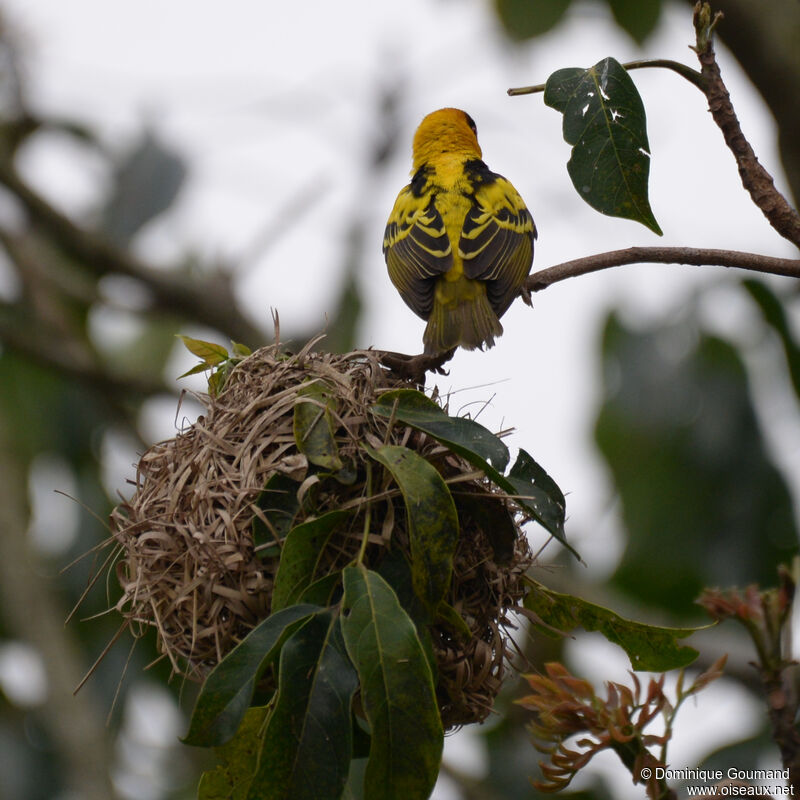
(209, 352)
(228, 689)
(238, 761)
(775, 315)
(535, 501)
(526, 469)
(308, 741)
(300, 556)
(450, 617)
(604, 121)
(491, 514)
(322, 591)
(474, 444)
(397, 691)
(701, 498)
(649, 647)
(314, 427)
(432, 521)
(279, 505)
(524, 19)
(463, 436)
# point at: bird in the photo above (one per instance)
(459, 240)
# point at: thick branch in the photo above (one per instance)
(696, 256)
(758, 182)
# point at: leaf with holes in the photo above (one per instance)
(604, 121)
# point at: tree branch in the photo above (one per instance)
(691, 75)
(758, 182)
(210, 302)
(696, 256)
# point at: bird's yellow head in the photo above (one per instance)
(448, 130)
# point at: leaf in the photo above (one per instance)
(321, 592)
(278, 505)
(474, 444)
(397, 691)
(300, 555)
(210, 353)
(450, 617)
(649, 647)
(432, 521)
(491, 514)
(144, 184)
(604, 120)
(238, 761)
(776, 317)
(701, 497)
(308, 741)
(529, 477)
(228, 689)
(463, 436)
(526, 469)
(637, 17)
(313, 426)
(524, 19)
(241, 350)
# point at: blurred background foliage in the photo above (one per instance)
(695, 481)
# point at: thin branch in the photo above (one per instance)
(692, 75)
(696, 256)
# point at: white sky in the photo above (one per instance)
(270, 100)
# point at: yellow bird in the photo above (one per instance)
(459, 240)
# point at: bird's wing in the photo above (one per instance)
(416, 245)
(496, 242)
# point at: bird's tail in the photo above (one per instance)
(461, 317)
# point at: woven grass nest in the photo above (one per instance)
(200, 555)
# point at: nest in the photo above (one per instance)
(199, 555)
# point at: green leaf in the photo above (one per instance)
(491, 514)
(397, 691)
(314, 427)
(649, 647)
(637, 17)
(432, 521)
(776, 317)
(526, 469)
(450, 617)
(241, 350)
(228, 689)
(238, 761)
(475, 444)
(278, 506)
(300, 556)
(308, 742)
(209, 352)
(524, 19)
(535, 501)
(321, 592)
(195, 370)
(702, 500)
(463, 436)
(604, 120)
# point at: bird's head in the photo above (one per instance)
(448, 130)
